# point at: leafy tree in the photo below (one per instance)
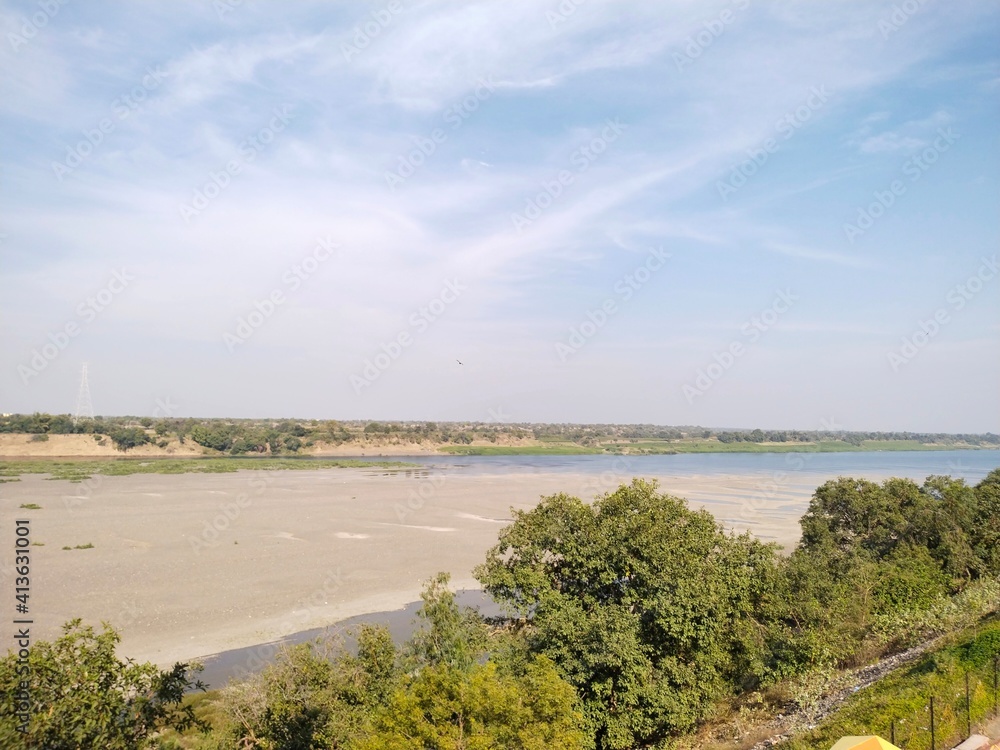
(853, 515)
(126, 438)
(314, 696)
(648, 608)
(83, 696)
(445, 708)
(449, 635)
(218, 437)
(985, 527)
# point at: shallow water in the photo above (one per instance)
(220, 668)
(971, 465)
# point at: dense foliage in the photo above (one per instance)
(654, 613)
(440, 691)
(648, 608)
(82, 696)
(273, 436)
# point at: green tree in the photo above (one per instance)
(482, 708)
(985, 531)
(82, 696)
(448, 634)
(648, 608)
(314, 696)
(126, 438)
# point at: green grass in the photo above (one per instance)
(31, 506)
(88, 545)
(903, 697)
(76, 471)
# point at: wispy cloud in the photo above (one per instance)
(557, 80)
(821, 256)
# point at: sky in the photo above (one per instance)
(731, 214)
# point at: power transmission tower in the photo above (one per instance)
(84, 407)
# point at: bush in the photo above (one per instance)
(126, 438)
(83, 696)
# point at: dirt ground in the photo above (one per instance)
(194, 564)
(17, 445)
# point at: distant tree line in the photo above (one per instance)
(259, 436)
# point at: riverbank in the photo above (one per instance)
(195, 564)
(19, 445)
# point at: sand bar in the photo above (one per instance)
(195, 564)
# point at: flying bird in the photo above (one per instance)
(459, 362)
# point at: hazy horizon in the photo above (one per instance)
(672, 213)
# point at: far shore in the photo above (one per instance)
(25, 446)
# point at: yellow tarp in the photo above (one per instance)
(864, 743)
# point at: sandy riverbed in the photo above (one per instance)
(290, 550)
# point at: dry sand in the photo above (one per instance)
(190, 565)
(18, 445)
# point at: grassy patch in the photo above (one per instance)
(88, 545)
(31, 506)
(903, 697)
(76, 471)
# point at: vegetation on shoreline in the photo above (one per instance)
(291, 436)
(76, 471)
(635, 622)
(901, 699)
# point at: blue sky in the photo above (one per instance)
(718, 213)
